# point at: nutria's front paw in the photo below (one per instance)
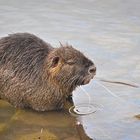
(69, 99)
(68, 102)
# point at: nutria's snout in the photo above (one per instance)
(90, 75)
(92, 70)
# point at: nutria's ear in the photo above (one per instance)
(55, 61)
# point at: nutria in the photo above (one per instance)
(33, 74)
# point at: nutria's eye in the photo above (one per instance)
(70, 62)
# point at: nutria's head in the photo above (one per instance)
(70, 68)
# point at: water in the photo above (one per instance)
(107, 32)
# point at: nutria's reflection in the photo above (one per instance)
(18, 124)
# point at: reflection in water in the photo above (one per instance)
(27, 124)
(18, 124)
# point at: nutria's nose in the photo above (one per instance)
(92, 70)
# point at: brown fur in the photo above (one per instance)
(34, 74)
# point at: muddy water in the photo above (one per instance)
(106, 31)
(17, 124)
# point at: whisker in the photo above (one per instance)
(73, 79)
(89, 101)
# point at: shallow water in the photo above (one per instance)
(107, 32)
(15, 124)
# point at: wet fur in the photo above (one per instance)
(31, 76)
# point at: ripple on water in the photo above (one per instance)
(83, 109)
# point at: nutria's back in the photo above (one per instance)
(23, 54)
(36, 75)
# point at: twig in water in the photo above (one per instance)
(118, 82)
